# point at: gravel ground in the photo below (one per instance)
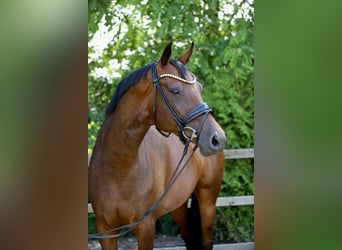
(130, 243)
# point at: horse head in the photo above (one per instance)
(178, 105)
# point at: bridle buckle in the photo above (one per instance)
(193, 132)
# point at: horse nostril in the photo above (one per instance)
(217, 142)
(214, 141)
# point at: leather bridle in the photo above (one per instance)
(197, 111)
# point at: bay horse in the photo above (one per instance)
(154, 112)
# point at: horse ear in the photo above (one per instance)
(166, 56)
(184, 58)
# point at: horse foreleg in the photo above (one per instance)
(109, 244)
(180, 217)
(106, 244)
(145, 233)
(208, 219)
(207, 207)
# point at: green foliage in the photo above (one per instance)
(223, 62)
(166, 226)
(91, 224)
(234, 224)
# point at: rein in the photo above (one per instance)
(199, 110)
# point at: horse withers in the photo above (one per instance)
(135, 156)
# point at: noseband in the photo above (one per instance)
(183, 129)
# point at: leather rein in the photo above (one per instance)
(199, 110)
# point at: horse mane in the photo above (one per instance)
(125, 84)
(136, 76)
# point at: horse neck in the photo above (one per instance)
(126, 127)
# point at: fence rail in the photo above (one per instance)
(228, 154)
(226, 201)
(239, 153)
(221, 201)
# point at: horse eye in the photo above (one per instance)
(175, 91)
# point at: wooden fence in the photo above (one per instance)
(223, 202)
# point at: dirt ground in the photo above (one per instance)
(130, 243)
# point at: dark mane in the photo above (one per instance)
(134, 77)
(124, 85)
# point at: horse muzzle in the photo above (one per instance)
(212, 139)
